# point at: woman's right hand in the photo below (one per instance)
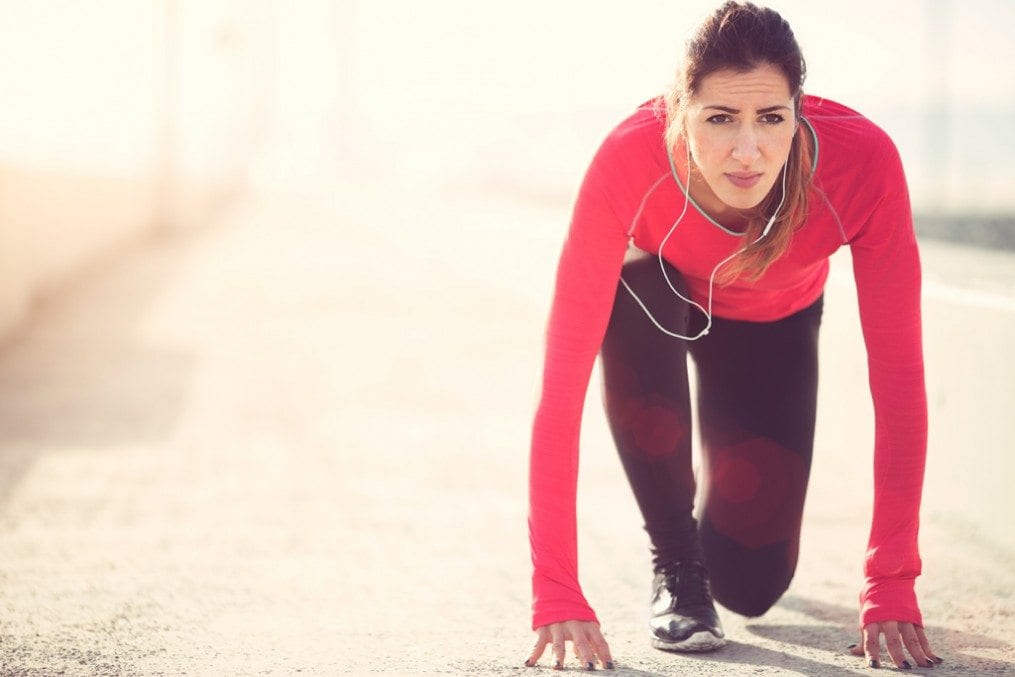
(588, 642)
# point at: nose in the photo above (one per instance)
(745, 146)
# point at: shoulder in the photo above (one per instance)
(645, 125)
(845, 135)
(860, 173)
(634, 150)
(854, 153)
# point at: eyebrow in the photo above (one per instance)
(760, 111)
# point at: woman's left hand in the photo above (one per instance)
(898, 636)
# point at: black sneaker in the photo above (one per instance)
(683, 616)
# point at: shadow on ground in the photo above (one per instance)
(947, 642)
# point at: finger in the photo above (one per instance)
(872, 644)
(582, 646)
(601, 648)
(856, 649)
(922, 636)
(912, 643)
(558, 646)
(893, 642)
(542, 639)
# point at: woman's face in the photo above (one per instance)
(739, 128)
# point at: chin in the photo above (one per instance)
(744, 199)
(741, 201)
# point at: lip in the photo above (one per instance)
(743, 179)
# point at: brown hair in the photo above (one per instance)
(742, 36)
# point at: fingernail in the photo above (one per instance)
(906, 665)
(528, 663)
(590, 666)
(610, 665)
(851, 646)
(873, 663)
(558, 666)
(929, 663)
(938, 659)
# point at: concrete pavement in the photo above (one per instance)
(296, 443)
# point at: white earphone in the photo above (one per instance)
(711, 278)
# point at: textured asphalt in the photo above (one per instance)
(296, 443)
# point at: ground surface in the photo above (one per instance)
(296, 443)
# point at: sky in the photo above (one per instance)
(457, 95)
(538, 84)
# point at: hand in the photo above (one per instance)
(584, 635)
(897, 636)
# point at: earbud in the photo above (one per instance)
(775, 214)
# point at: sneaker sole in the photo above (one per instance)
(698, 642)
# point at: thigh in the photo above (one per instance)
(648, 404)
(757, 392)
(644, 370)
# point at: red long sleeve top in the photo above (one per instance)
(859, 198)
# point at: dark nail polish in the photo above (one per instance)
(938, 659)
(590, 666)
(929, 663)
(610, 665)
(851, 646)
(558, 666)
(906, 665)
(873, 663)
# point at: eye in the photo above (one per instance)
(720, 119)
(771, 118)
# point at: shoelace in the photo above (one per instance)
(688, 583)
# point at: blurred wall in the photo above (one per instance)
(120, 118)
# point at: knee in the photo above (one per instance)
(752, 599)
(643, 269)
(746, 580)
(647, 288)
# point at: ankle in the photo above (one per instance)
(678, 542)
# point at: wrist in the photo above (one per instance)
(889, 599)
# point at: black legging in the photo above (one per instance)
(757, 387)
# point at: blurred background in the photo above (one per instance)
(121, 116)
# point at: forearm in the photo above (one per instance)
(892, 561)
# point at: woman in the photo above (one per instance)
(704, 226)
